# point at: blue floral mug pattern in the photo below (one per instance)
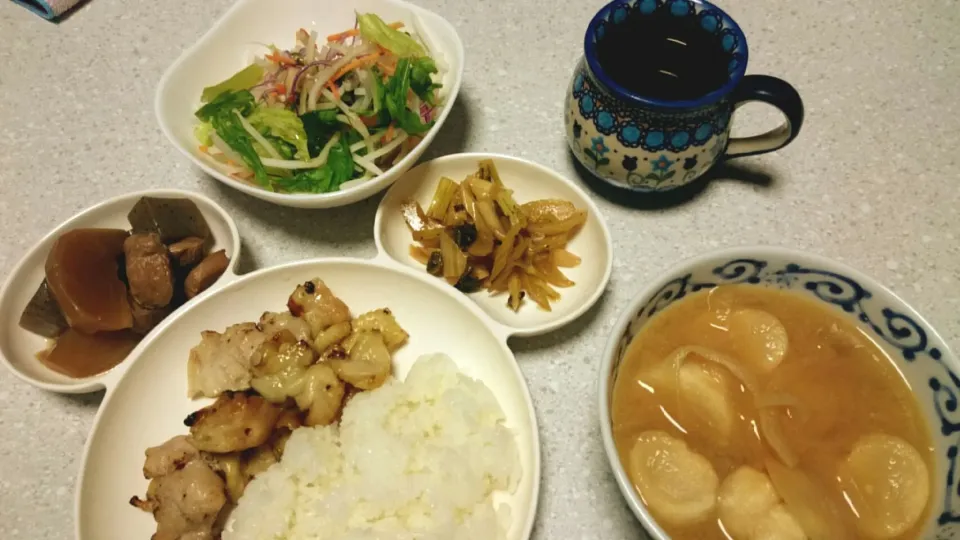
(652, 145)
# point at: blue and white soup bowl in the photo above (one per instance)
(650, 145)
(919, 352)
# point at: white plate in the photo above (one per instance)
(237, 38)
(18, 347)
(529, 181)
(146, 404)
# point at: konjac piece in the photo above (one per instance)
(43, 315)
(82, 274)
(172, 219)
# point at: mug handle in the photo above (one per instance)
(773, 91)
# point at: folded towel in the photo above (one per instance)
(48, 9)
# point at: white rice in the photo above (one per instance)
(418, 459)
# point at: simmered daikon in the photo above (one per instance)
(888, 483)
(678, 484)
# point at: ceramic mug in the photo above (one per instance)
(652, 145)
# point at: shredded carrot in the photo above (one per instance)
(204, 148)
(369, 121)
(334, 88)
(281, 88)
(389, 135)
(279, 58)
(356, 32)
(388, 69)
(354, 64)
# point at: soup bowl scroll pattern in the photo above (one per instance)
(920, 354)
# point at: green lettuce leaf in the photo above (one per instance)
(319, 126)
(372, 28)
(396, 100)
(203, 132)
(308, 181)
(283, 124)
(420, 81)
(340, 163)
(242, 80)
(225, 104)
(230, 129)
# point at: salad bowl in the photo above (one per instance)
(19, 348)
(240, 36)
(918, 351)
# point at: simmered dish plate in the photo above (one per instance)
(149, 402)
(22, 336)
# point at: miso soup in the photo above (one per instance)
(746, 412)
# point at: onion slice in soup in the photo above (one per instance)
(808, 502)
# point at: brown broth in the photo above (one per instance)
(845, 386)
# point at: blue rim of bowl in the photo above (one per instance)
(589, 47)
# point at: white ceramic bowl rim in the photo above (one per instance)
(97, 382)
(320, 200)
(941, 352)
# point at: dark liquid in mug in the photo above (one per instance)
(662, 56)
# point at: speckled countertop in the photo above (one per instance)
(873, 180)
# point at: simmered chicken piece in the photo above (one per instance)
(185, 495)
(222, 362)
(236, 421)
(317, 304)
(149, 274)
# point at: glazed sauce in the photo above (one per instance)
(843, 385)
(663, 56)
(80, 355)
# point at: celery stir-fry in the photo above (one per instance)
(328, 113)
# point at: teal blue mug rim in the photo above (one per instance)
(593, 63)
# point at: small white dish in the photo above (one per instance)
(238, 37)
(146, 402)
(19, 348)
(529, 181)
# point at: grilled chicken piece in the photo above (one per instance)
(367, 361)
(188, 503)
(168, 457)
(272, 323)
(318, 306)
(222, 362)
(236, 421)
(321, 394)
(383, 321)
(185, 495)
